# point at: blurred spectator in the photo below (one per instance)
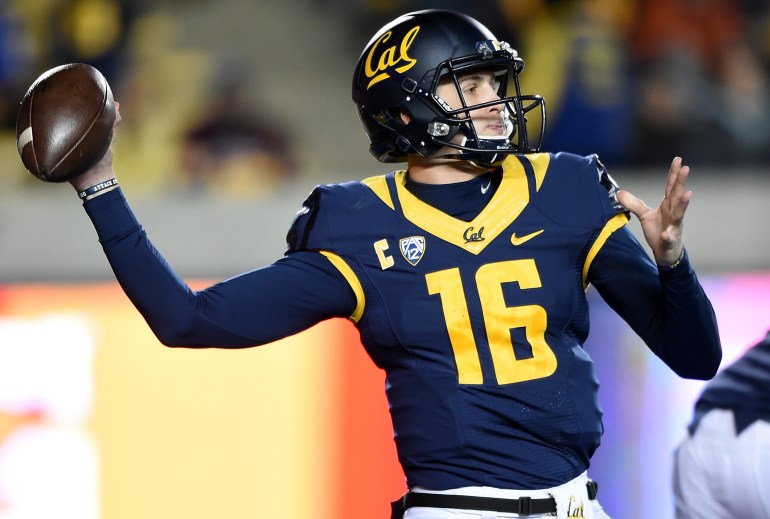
(234, 148)
(367, 16)
(41, 34)
(700, 29)
(681, 49)
(13, 81)
(575, 56)
(673, 115)
(654, 78)
(10, 65)
(743, 105)
(93, 32)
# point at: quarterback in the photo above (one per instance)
(465, 274)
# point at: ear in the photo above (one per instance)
(405, 117)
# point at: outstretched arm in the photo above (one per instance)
(256, 307)
(664, 304)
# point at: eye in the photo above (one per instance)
(470, 87)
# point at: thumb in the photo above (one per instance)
(633, 204)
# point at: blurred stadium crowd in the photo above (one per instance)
(636, 81)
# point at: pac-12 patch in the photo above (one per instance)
(412, 248)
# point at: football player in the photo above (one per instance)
(722, 465)
(465, 274)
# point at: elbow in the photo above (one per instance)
(173, 340)
(189, 334)
(704, 368)
(699, 373)
(176, 333)
(713, 368)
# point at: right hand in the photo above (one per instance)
(102, 170)
(662, 227)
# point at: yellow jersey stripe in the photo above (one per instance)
(379, 185)
(352, 280)
(539, 163)
(618, 221)
(505, 206)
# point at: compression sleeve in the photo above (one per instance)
(257, 307)
(665, 306)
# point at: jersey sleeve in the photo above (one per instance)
(254, 308)
(304, 222)
(582, 196)
(315, 226)
(667, 307)
(310, 230)
(581, 191)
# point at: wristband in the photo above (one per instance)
(101, 186)
(676, 263)
(668, 268)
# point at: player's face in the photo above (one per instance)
(479, 86)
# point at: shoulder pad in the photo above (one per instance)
(608, 183)
(304, 220)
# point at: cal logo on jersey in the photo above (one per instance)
(412, 249)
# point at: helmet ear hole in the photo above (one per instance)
(398, 115)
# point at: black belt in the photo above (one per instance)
(522, 506)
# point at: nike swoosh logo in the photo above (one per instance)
(484, 189)
(516, 240)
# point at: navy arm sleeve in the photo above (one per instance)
(257, 307)
(665, 306)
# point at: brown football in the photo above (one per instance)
(65, 121)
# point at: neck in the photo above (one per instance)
(441, 171)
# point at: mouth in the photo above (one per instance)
(494, 128)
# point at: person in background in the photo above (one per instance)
(234, 149)
(722, 466)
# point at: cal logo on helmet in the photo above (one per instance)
(383, 57)
(412, 248)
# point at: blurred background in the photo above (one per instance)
(232, 112)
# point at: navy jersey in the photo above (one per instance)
(477, 312)
(743, 387)
(478, 324)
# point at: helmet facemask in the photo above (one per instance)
(456, 133)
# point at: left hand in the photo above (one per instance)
(662, 227)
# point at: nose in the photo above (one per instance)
(496, 108)
(492, 95)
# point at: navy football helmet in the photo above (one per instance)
(399, 71)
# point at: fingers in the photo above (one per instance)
(673, 173)
(677, 198)
(678, 208)
(678, 174)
